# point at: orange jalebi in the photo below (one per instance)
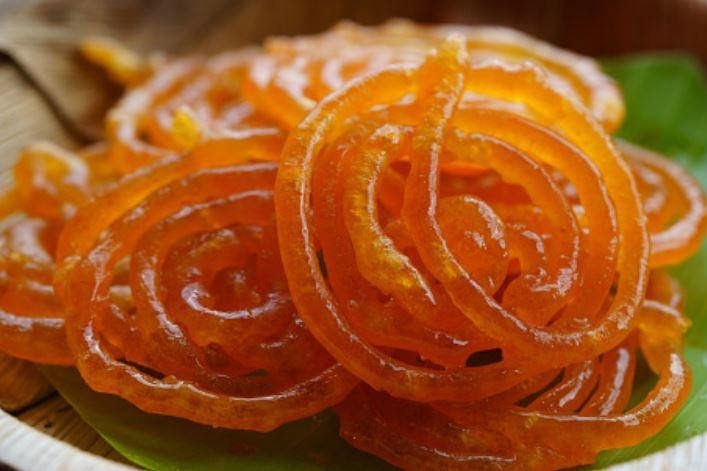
(554, 420)
(429, 226)
(296, 73)
(208, 307)
(444, 291)
(50, 183)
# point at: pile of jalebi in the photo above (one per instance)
(429, 228)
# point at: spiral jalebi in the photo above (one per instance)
(557, 419)
(208, 307)
(428, 227)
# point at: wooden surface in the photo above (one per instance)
(20, 384)
(46, 93)
(24, 393)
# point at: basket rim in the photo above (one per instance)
(16, 438)
(25, 448)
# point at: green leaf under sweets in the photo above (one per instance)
(666, 98)
(666, 101)
(168, 443)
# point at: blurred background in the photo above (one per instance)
(39, 36)
(588, 26)
(596, 27)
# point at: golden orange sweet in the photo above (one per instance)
(428, 227)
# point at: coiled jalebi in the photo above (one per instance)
(186, 101)
(453, 222)
(557, 419)
(209, 310)
(674, 203)
(580, 269)
(378, 182)
(173, 105)
(297, 73)
(49, 184)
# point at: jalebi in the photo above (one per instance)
(428, 227)
(208, 307)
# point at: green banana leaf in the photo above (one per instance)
(666, 102)
(666, 98)
(168, 443)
